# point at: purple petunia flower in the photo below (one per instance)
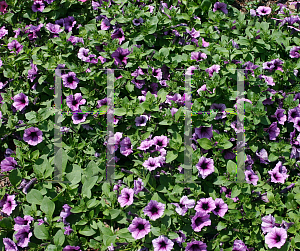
(215, 68)
(119, 34)
(20, 222)
(263, 156)
(205, 166)
(105, 24)
(252, 13)
(68, 230)
(83, 54)
(205, 205)
(198, 56)
(28, 185)
(139, 228)
(157, 73)
(126, 147)
(38, 5)
(23, 236)
(8, 203)
(20, 101)
(273, 131)
(126, 197)
(221, 207)
(33, 136)
(239, 245)
(181, 237)
(200, 220)
(294, 52)
(281, 117)
(137, 22)
(70, 80)
(152, 163)
(251, 177)
(293, 114)
(120, 56)
(184, 205)
(193, 33)
(154, 209)
(191, 69)
(204, 132)
(14, 45)
(196, 245)
(54, 28)
(276, 237)
(162, 243)
(141, 120)
(138, 186)
(297, 123)
(160, 141)
(74, 40)
(262, 11)
(66, 212)
(79, 117)
(3, 32)
(9, 245)
(71, 248)
(220, 6)
(8, 164)
(74, 101)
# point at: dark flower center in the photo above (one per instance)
(74, 102)
(163, 244)
(205, 206)
(33, 134)
(140, 226)
(152, 164)
(121, 57)
(38, 5)
(154, 210)
(278, 238)
(159, 143)
(23, 101)
(80, 116)
(127, 196)
(204, 166)
(198, 221)
(70, 79)
(194, 247)
(294, 114)
(217, 209)
(181, 205)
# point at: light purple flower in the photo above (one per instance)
(20, 101)
(54, 28)
(138, 186)
(9, 245)
(3, 32)
(262, 10)
(137, 22)
(160, 141)
(205, 205)
(119, 34)
(297, 123)
(273, 131)
(193, 33)
(74, 40)
(79, 117)
(152, 163)
(184, 204)
(263, 156)
(205, 166)
(276, 237)
(8, 164)
(139, 228)
(14, 45)
(70, 80)
(126, 147)
(126, 197)
(239, 245)
(221, 207)
(281, 117)
(74, 101)
(83, 54)
(141, 120)
(68, 230)
(252, 13)
(71, 248)
(105, 24)
(9, 204)
(294, 52)
(293, 114)
(162, 243)
(215, 68)
(33, 136)
(198, 56)
(251, 177)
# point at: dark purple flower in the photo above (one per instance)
(205, 205)
(8, 164)
(120, 56)
(138, 186)
(141, 120)
(294, 52)
(293, 114)
(204, 132)
(79, 117)
(285, 190)
(54, 28)
(38, 5)
(181, 237)
(154, 210)
(105, 24)
(220, 6)
(20, 221)
(74, 40)
(139, 228)
(119, 34)
(200, 220)
(66, 212)
(276, 237)
(137, 22)
(68, 231)
(273, 131)
(281, 117)
(33, 136)
(251, 177)
(196, 246)
(162, 243)
(9, 245)
(70, 80)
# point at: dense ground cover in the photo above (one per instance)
(151, 44)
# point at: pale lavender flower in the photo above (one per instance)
(205, 205)
(200, 220)
(162, 243)
(154, 210)
(38, 5)
(262, 11)
(3, 32)
(139, 228)
(276, 237)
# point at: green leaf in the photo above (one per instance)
(205, 143)
(155, 231)
(114, 213)
(120, 111)
(88, 185)
(129, 87)
(45, 113)
(225, 238)
(189, 47)
(221, 225)
(153, 20)
(59, 238)
(264, 26)
(171, 155)
(152, 29)
(87, 231)
(273, 157)
(109, 239)
(164, 52)
(205, 5)
(48, 207)
(162, 94)
(183, 16)
(90, 27)
(40, 231)
(34, 196)
(231, 167)
(42, 79)
(235, 192)
(172, 235)
(15, 177)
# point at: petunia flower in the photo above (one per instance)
(220, 6)
(139, 228)
(33, 136)
(70, 80)
(154, 209)
(126, 197)
(276, 237)
(205, 166)
(205, 205)
(200, 220)
(162, 243)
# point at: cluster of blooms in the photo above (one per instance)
(276, 233)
